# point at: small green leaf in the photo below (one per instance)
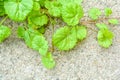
(40, 44)
(108, 12)
(2, 10)
(18, 10)
(29, 35)
(72, 13)
(21, 32)
(94, 13)
(54, 8)
(80, 31)
(64, 39)
(36, 6)
(42, 29)
(48, 61)
(65, 2)
(37, 20)
(113, 21)
(40, 20)
(101, 26)
(4, 32)
(105, 38)
(33, 14)
(28, 39)
(42, 2)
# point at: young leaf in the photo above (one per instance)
(48, 61)
(40, 44)
(108, 12)
(105, 38)
(72, 13)
(36, 6)
(18, 10)
(40, 20)
(42, 29)
(21, 32)
(65, 2)
(28, 39)
(64, 39)
(101, 26)
(33, 14)
(4, 32)
(2, 11)
(80, 31)
(94, 13)
(29, 35)
(54, 8)
(37, 20)
(42, 2)
(113, 21)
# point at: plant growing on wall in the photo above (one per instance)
(38, 13)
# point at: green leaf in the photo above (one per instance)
(40, 20)
(4, 32)
(36, 6)
(29, 35)
(94, 13)
(40, 44)
(108, 12)
(105, 38)
(54, 8)
(72, 13)
(64, 39)
(21, 32)
(80, 31)
(37, 20)
(2, 10)
(18, 10)
(101, 26)
(33, 14)
(65, 2)
(113, 21)
(42, 2)
(42, 30)
(48, 61)
(28, 39)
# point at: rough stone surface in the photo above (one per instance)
(87, 61)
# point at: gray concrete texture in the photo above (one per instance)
(87, 61)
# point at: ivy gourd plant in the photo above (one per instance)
(39, 13)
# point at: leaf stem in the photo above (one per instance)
(92, 21)
(52, 35)
(95, 21)
(3, 20)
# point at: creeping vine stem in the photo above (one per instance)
(95, 21)
(3, 20)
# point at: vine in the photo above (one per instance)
(40, 13)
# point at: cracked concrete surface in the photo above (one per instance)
(87, 61)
